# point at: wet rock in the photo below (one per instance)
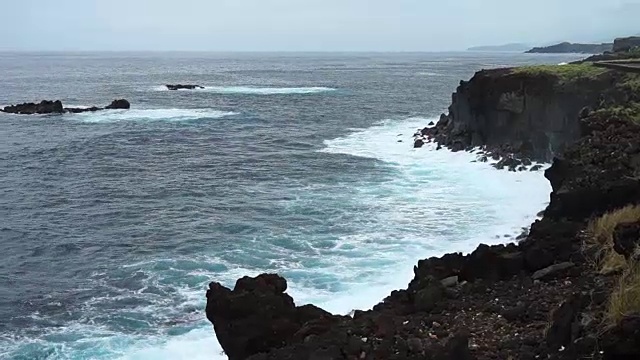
(535, 168)
(552, 271)
(44, 107)
(431, 123)
(81, 110)
(418, 143)
(119, 104)
(183, 87)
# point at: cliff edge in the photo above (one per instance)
(569, 290)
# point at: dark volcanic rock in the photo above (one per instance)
(119, 104)
(258, 316)
(626, 238)
(623, 342)
(560, 332)
(44, 107)
(81, 110)
(183, 87)
(599, 172)
(532, 115)
(418, 143)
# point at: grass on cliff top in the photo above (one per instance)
(625, 297)
(599, 240)
(567, 72)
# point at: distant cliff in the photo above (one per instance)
(567, 47)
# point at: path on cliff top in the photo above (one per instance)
(628, 66)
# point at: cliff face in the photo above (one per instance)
(532, 114)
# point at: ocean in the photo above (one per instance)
(113, 223)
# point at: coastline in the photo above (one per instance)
(522, 300)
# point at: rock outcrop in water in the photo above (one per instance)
(539, 299)
(183, 87)
(44, 107)
(55, 107)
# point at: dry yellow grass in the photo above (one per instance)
(600, 238)
(625, 298)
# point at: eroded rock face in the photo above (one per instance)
(532, 115)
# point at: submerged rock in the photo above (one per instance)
(183, 87)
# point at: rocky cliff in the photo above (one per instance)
(546, 297)
(531, 112)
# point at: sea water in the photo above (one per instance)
(113, 223)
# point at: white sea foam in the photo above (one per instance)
(436, 202)
(254, 90)
(149, 115)
(439, 202)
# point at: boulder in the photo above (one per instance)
(183, 87)
(258, 316)
(626, 239)
(119, 104)
(44, 107)
(418, 143)
(492, 263)
(552, 271)
(561, 331)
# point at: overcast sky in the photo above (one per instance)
(308, 25)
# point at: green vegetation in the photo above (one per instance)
(630, 111)
(568, 72)
(625, 298)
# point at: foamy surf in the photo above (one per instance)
(108, 116)
(435, 202)
(253, 90)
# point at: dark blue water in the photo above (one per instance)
(113, 223)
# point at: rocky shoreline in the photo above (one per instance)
(546, 297)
